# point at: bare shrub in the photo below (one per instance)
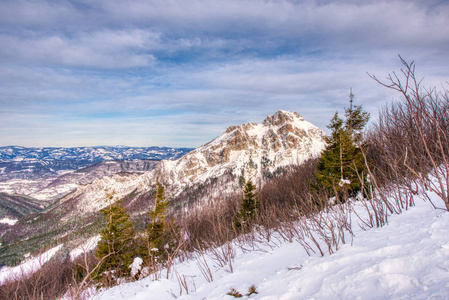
(203, 266)
(252, 290)
(224, 255)
(329, 225)
(233, 292)
(49, 282)
(288, 207)
(211, 224)
(290, 190)
(183, 284)
(409, 144)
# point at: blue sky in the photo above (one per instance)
(179, 72)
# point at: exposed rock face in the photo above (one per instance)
(248, 150)
(93, 197)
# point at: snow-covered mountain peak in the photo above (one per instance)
(250, 150)
(281, 117)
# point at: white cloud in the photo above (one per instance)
(144, 69)
(104, 49)
(138, 32)
(38, 13)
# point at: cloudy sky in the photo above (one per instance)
(179, 72)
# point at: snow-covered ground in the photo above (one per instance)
(87, 246)
(8, 221)
(406, 259)
(28, 267)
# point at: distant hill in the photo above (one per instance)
(14, 207)
(17, 206)
(51, 188)
(37, 163)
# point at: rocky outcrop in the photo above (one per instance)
(249, 150)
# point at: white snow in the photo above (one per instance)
(136, 266)
(89, 245)
(36, 189)
(53, 192)
(28, 267)
(344, 182)
(406, 259)
(8, 221)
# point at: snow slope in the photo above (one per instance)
(8, 221)
(406, 259)
(29, 266)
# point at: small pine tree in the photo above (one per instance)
(341, 168)
(155, 234)
(117, 240)
(248, 207)
(356, 120)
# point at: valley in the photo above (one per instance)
(32, 208)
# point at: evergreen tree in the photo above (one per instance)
(356, 120)
(116, 246)
(156, 235)
(248, 207)
(341, 168)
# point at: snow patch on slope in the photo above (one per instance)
(88, 246)
(28, 267)
(93, 197)
(8, 221)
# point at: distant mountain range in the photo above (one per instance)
(37, 163)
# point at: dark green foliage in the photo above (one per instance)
(242, 178)
(156, 228)
(161, 235)
(248, 207)
(157, 215)
(356, 120)
(241, 181)
(341, 168)
(116, 249)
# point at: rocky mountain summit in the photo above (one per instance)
(249, 151)
(252, 151)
